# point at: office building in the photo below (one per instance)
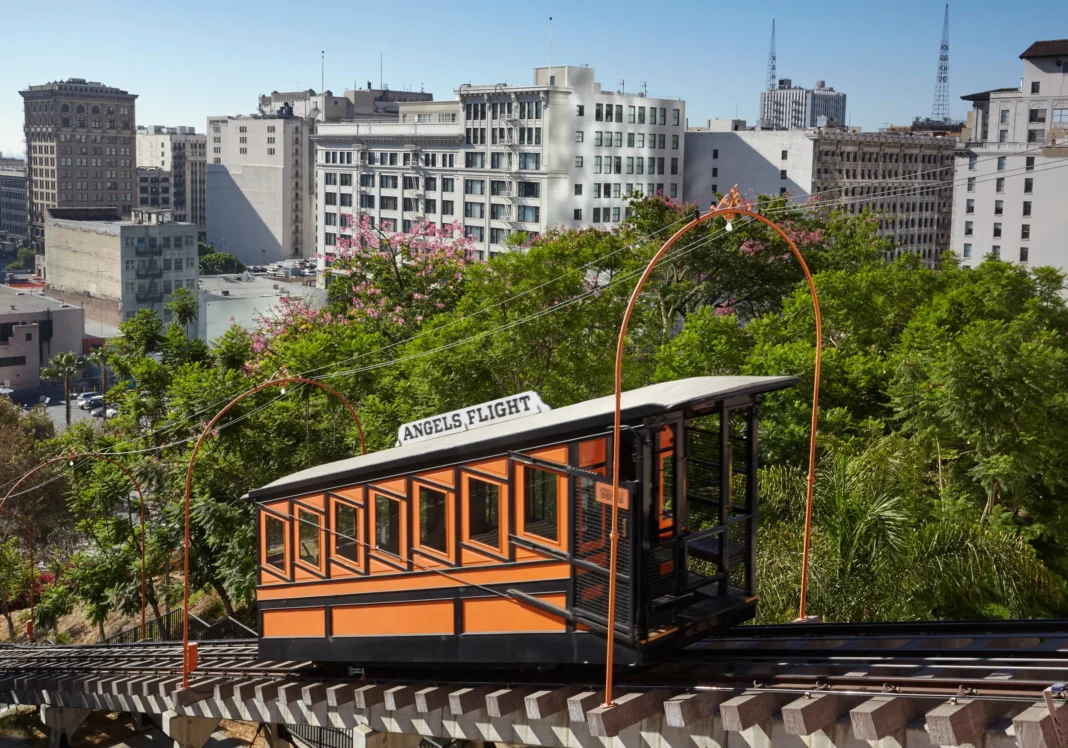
(33, 329)
(1008, 197)
(181, 152)
(357, 103)
(79, 149)
(791, 107)
(906, 178)
(154, 187)
(113, 268)
(501, 159)
(246, 300)
(260, 187)
(12, 203)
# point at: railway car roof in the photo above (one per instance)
(591, 414)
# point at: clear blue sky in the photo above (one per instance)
(192, 58)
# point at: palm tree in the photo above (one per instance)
(885, 548)
(65, 366)
(99, 358)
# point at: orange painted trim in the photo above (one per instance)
(497, 615)
(503, 511)
(393, 619)
(300, 622)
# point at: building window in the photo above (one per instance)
(330, 177)
(715, 153)
(997, 230)
(1001, 163)
(598, 112)
(1036, 115)
(1027, 207)
(999, 184)
(578, 189)
(1035, 136)
(1034, 87)
(387, 525)
(579, 136)
(782, 173)
(596, 215)
(968, 228)
(1025, 231)
(967, 250)
(1030, 164)
(309, 536)
(1004, 116)
(969, 206)
(999, 207)
(972, 159)
(447, 184)
(484, 512)
(528, 214)
(474, 210)
(330, 239)
(447, 207)
(578, 162)
(1023, 254)
(529, 189)
(971, 184)
(539, 503)
(675, 166)
(578, 214)
(784, 156)
(675, 114)
(580, 110)
(530, 161)
(475, 233)
(995, 252)
(1003, 136)
(1029, 185)
(474, 187)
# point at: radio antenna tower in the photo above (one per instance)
(771, 60)
(940, 110)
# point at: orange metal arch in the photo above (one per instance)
(140, 496)
(187, 657)
(728, 208)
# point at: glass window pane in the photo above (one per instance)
(387, 525)
(483, 512)
(432, 524)
(539, 503)
(345, 531)
(276, 543)
(309, 536)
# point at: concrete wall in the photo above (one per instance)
(716, 161)
(26, 342)
(108, 311)
(84, 260)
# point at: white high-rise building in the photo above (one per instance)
(906, 178)
(260, 186)
(183, 153)
(791, 107)
(1008, 195)
(501, 159)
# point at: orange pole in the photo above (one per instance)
(729, 209)
(140, 496)
(186, 665)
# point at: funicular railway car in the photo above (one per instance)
(484, 537)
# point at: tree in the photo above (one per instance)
(99, 358)
(219, 263)
(142, 333)
(65, 366)
(184, 306)
(14, 582)
(25, 259)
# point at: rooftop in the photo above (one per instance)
(1050, 48)
(985, 95)
(76, 86)
(14, 300)
(248, 286)
(590, 415)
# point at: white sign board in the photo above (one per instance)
(496, 411)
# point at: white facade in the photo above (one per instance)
(1008, 196)
(906, 178)
(33, 329)
(790, 107)
(245, 299)
(120, 267)
(183, 153)
(560, 152)
(358, 103)
(260, 187)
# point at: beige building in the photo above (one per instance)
(79, 147)
(113, 268)
(33, 329)
(357, 103)
(182, 153)
(261, 187)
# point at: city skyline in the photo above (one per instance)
(719, 75)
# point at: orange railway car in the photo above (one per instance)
(484, 538)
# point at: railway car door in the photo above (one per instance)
(591, 512)
(662, 578)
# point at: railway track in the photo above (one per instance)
(980, 659)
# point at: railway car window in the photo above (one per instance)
(276, 543)
(483, 507)
(387, 525)
(345, 531)
(432, 510)
(667, 485)
(539, 503)
(309, 537)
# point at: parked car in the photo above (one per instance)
(82, 399)
(97, 412)
(96, 401)
(111, 412)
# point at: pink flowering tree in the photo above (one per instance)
(397, 280)
(742, 272)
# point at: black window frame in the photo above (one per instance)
(344, 543)
(393, 516)
(436, 500)
(538, 505)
